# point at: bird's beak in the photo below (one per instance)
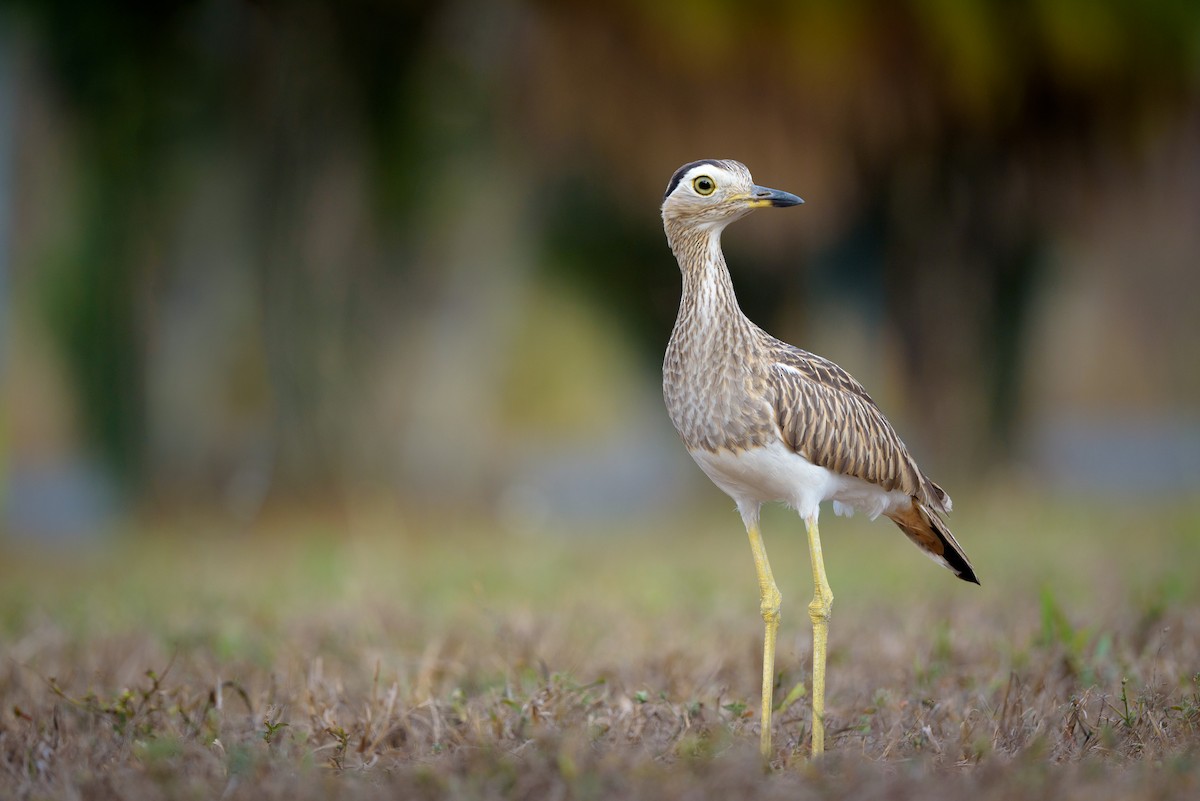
(762, 196)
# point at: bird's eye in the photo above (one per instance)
(704, 185)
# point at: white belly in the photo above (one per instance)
(777, 473)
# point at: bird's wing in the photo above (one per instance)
(828, 418)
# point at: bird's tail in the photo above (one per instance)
(929, 532)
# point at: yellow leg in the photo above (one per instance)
(769, 599)
(819, 611)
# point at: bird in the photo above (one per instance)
(769, 422)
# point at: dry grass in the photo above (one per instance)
(349, 659)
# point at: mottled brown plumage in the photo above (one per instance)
(767, 421)
(827, 417)
(730, 386)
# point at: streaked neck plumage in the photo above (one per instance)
(709, 375)
(708, 301)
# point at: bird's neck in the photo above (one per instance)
(713, 352)
(708, 300)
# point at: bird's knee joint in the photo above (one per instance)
(770, 606)
(820, 609)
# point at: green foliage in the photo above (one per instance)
(1056, 629)
(795, 694)
(129, 712)
(736, 708)
(353, 116)
(1084, 650)
(271, 729)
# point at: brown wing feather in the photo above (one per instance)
(828, 418)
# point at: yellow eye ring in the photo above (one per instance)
(704, 185)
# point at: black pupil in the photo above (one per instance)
(704, 185)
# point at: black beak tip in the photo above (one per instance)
(776, 197)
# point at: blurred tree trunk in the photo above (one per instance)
(97, 286)
(965, 248)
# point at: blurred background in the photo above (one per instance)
(257, 254)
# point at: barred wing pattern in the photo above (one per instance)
(828, 418)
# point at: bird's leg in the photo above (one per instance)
(769, 600)
(818, 610)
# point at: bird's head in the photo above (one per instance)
(712, 193)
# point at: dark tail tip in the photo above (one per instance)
(952, 551)
(966, 574)
(930, 533)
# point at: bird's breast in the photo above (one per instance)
(715, 398)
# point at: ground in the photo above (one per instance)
(443, 656)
